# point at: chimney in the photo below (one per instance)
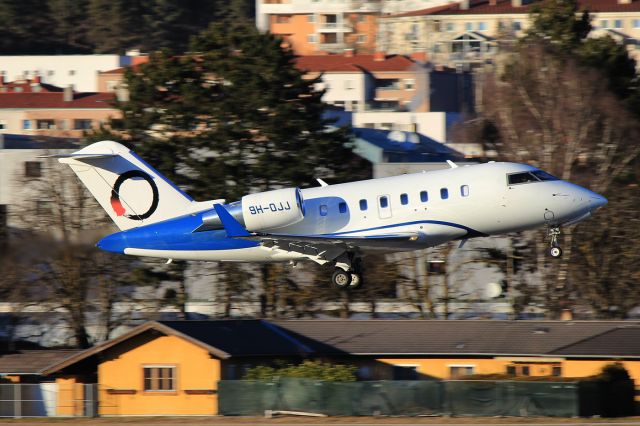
(37, 79)
(516, 3)
(464, 5)
(348, 53)
(67, 96)
(379, 56)
(566, 315)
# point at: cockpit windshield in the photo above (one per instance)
(527, 177)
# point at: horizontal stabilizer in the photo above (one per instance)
(78, 156)
(230, 224)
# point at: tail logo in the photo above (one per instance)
(116, 204)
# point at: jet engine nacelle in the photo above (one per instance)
(272, 209)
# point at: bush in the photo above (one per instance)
(315, 370)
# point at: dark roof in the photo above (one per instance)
(56, 100)
(32, 361)
(354, 63)
(484, 7)
(621, 341)
(11, 141)
(423, 149)
(238, 338)
(243, 337)
(416, 337)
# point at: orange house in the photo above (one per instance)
(173, 367)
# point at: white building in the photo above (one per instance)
(78, 71)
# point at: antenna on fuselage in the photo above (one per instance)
(452, 164)
(321, 182)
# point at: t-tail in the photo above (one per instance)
(131, 191)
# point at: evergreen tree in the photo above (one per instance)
(237, 117)
(70, 25)
(26, 27)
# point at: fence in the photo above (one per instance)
(48, 400)
(455, 397)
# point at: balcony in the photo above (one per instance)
(334, 27)
(337, 47)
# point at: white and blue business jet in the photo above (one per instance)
(329, 224)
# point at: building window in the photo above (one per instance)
(33, 169)
(464, 190)
(617, 23)
(604, 23)
(459, 371)
(468, 26)
(26, 124)
(450, 26)
(50, 73)
(82, 124)
(362, 38)
(311, 18)
(424, 196)
(159, 378)
(409, 83)
(404, 199)
(3, 124)
(342, 207)
(556, 371)
(384, 202)
(405, 372)
(311, 38)
(444, 193)
(636, 23)
(363, 205)
(362, 18)
(482, 26)
(348, 84)
(45, 124)
(323, 210)
(516, 26)
(72, 72)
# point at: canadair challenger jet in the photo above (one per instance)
(330, 224)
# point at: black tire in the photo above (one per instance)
(555, 252)
(341, 279)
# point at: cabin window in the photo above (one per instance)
(464, 190)
(424, 196)
(363, 205)
(544, 176)
(384, 202)
(444, 193)
(342, 207)
(518, 178)
(323, 209)
(404, 199)
(159, 378)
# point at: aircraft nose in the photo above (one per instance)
(597, 201)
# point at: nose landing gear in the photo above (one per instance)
(554, 250)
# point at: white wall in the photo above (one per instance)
(81, 71)
(431, 124)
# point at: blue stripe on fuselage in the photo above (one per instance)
(173, 234)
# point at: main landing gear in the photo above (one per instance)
(554, 250)
(350, 278)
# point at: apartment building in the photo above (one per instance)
(62, 113)
(470, 31)
(318, 26)
(77, 71)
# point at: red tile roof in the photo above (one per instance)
(55, 100)
(320, 63)
(483, 7)
(28, 86)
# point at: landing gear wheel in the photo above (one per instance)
(341, 279)
(356, 281)
(555, 251)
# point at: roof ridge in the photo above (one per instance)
(585, 339)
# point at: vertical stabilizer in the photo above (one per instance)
(131, 191)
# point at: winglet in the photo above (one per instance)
(231, 225)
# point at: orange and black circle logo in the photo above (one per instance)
(116, 204)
